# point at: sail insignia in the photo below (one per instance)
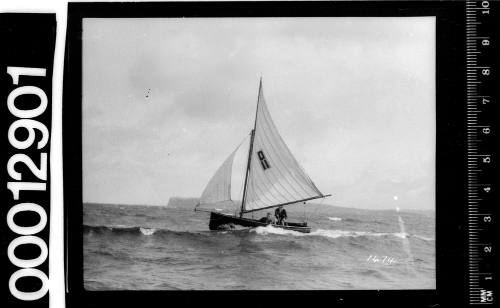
(263, 160)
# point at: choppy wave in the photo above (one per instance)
(116, 228)
(147, 231)
(268, 230)
(123, 229)
(157, 240)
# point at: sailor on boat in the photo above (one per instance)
(280, 214)
(267, 219)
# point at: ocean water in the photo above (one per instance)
(167, 248)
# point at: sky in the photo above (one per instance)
(165, 101)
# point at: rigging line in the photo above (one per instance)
(316, 210)
(289, 158)
(319, 206)
(304, 207)
(242, 142)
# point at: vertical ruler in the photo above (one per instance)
(481, 160)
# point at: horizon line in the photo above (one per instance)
(325, 204)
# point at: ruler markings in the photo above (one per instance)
(475, 77)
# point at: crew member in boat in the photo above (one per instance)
(280, 214)
(267, 220)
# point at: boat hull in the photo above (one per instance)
(220, 221)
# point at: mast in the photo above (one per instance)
(250, 150)
(252, 134)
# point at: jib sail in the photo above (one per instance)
(218, 188)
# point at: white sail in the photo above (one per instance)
(218, 188)
(274, 177)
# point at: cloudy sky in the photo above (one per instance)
(165, 101)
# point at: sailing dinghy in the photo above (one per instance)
(273, 178)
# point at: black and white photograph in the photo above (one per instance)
(259, 153)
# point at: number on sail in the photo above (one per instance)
(263, 161)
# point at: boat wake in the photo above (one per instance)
(333, 233)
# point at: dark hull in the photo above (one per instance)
(219, 221)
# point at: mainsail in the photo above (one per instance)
(274, 175)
